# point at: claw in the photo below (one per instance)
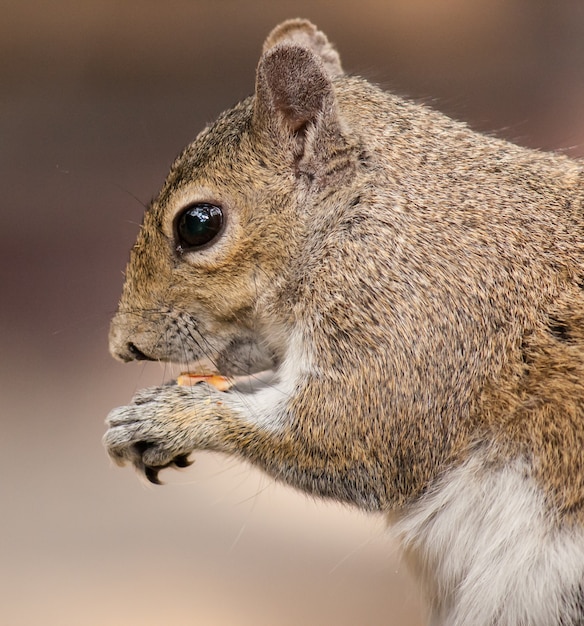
(151, 474)
(182, 461)
(151, 471)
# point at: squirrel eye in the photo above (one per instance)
(197, 225)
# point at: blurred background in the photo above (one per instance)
(96, 99)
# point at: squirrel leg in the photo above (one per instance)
(164, 425)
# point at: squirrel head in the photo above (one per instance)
(225, 231)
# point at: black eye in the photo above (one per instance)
(197, 225)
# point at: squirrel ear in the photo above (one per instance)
(305, 34)
(292, 81)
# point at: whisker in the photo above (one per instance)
(132, 195)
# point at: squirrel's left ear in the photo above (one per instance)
(294, 79)
(292, 86)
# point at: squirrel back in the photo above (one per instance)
(415, 290)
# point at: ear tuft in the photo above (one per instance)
(304, 33)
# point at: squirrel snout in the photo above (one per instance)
(123, 348)
(131, 352)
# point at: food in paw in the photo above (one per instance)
(221, 383)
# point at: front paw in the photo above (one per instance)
(148, 434)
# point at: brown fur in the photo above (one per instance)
(433, 276)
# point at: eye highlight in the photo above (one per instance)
(197, 225)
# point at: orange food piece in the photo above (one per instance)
(221, 383)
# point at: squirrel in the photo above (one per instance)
(403, 298)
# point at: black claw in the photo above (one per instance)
(182, 461)
(151, 474)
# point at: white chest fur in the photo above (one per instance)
(489, 552)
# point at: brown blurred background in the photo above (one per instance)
(96, 98)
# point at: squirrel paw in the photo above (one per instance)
(148, 435)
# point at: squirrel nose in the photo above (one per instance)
(130, 352)
(133, 353)
(123, 347)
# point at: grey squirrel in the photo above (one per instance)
(412, 295)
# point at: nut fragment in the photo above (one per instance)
(221, 383)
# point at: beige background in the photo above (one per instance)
(96, 98)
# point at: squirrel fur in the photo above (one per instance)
(416, 290)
